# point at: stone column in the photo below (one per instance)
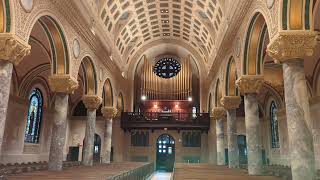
(249, 85)
(62, 86)
(218, 113)
(231, 103)
(109, 113)
(12, 52)
(92, 103)
(291, 48)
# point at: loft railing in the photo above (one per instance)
(150, 119)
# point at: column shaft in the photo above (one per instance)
(107, 141)
(58, 131)
(253, 134)
(298, 121)
(89, 138)
(5, 79)
(233, 151)
(220, 142)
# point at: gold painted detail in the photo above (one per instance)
(231, 102)
(109, 112)
(288, 45)
(12, 48)
(218, 113)
(92, 101)
(63, 83)
(250, 83)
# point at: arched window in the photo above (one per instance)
(32, 131)
(274, 125)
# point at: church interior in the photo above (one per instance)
(160, 89)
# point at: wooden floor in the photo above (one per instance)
(79, 172)
(211, 172)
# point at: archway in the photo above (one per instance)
(165, 153)
(96, 148)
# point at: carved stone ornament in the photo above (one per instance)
(12, 48)
(288, 45)
(63, 83)
(231, 102)
(92, 101)
(109, 112)
(250, 83)
(218, 113)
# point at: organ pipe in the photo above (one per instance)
(178, 87)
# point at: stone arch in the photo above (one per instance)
(5, 16)
(254, 53)
(231, 78)
(59, 53)
(218, 94)
(89, 76)
(120, 103)
(107, 93)
(41, 84)
(316, 15)
(296, 14)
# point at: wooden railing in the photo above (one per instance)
(140, 173)
(147, 120)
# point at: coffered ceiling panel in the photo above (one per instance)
(135, 23)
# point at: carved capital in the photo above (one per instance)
(288, 45)
(92, 101)
(12, 48)
(218, 113)
(250, 83)
(109, 112)
(231, 102)
(63, 83)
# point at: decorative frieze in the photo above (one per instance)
(12, 48)
(288, 45)
(231, 102)
(92, 101)
(109, 112)
(250, 83)
(63, 83)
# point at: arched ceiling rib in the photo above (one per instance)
(134, 23)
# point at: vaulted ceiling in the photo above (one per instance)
(136, 23)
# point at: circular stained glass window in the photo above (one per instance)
(167, 68)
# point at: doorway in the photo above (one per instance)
(165, 153)
(97, 148)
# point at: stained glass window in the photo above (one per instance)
(274, 125)
(32, 131)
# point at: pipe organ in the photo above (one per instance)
(178, 87)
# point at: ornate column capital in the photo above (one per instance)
(231, 102)
(12, 48)
(250, 83)
(92, 101)
(295, 44)
(109, 112)
(63, 83)
(218, 113)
